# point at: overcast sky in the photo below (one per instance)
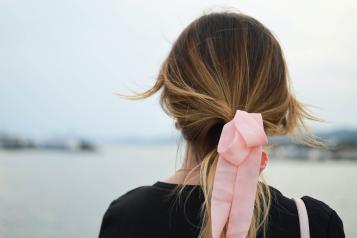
(62, 61)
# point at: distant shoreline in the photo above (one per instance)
(341, 145)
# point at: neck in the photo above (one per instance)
(188, 173)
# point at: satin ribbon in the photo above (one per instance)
(241, 159)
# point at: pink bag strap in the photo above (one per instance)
(303, 218)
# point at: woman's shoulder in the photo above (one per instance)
(147, 207)
(141, 196)
(132, 201)
(123, 209)
(322, 215)
(323, 220)
(142, 199)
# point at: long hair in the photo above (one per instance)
(222, 62)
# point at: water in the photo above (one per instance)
(58, 194)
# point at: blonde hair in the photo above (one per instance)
(221, 62)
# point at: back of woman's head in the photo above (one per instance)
(220, 63)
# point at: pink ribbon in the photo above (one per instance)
(241, 159)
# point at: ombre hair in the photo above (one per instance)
(222, 62)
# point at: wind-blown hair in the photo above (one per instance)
(221, 62)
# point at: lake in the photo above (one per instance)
(65, 194)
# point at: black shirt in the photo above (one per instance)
(150, 211)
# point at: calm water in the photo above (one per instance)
(58, 194)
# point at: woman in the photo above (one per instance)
(225, 83)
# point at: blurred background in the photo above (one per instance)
(69, 145)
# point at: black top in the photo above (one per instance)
(150, 211)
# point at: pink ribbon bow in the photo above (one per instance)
(241, 159)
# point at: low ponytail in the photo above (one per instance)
(261, 207)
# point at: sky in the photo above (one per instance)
(61, 62)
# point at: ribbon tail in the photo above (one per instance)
(244, 195)
(222, 195)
